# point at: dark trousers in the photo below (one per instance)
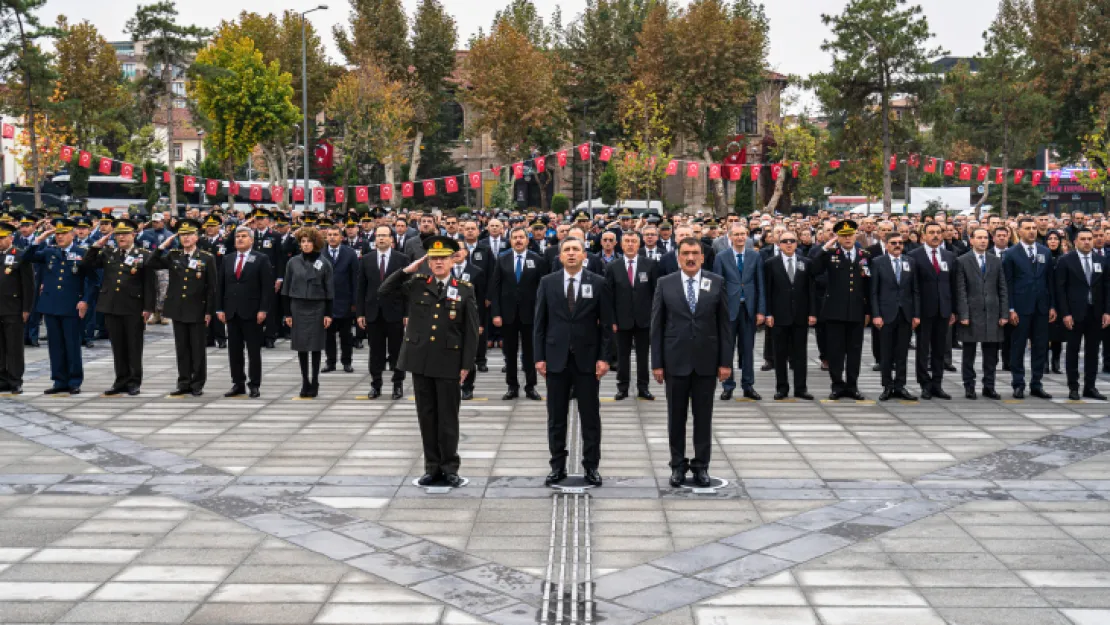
(64, 347)
(385, 345)
(126, 334)
(790, 352)
(820, 332)
(876, 339)
(244, 332)
(743, 328)
(844, 340)
(437, 409)
(559, 388)
(340, 327)
(11, 350)
(625, 338)
(88, 324)
(274, 317)
(31, 328)
(216, 332)
(514, 335)
(192, 355)
(990, 363)
(1089, 333)
(894, 350)
(768, 347)
(684, 391)
(1007, 340)
(932, 338)
(1033, 329)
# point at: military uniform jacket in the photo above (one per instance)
(191, 293)
(63, 281)
(441, 338)
(218, 248)
(17, 283)
(129, 285)
(848, 284)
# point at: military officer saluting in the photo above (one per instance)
(845, 308)
(213, 242)
(17, 293)
(190, 303)
(63, 301)
(127, 295)
(441, 341)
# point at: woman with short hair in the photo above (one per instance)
(309, 289)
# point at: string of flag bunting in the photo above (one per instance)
(693, 169)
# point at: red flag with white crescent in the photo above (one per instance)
(408, 189)
(127, 170)
(362, 194)
(1054, 179)
(319, 196)
(475, 179)
(298, 194)
(189, 184)
(965, 171)
(981, 174)
(692, 170)
(915, 160)
(1018, 175)
(672, 168)
(541, 164)
(496, 169)
(452, 184)
(66, 153)
(795, 168)
(1037, 175)
(386, 193)
(105, 165)
(9, 131)
(931, 166)
(277, 193)
(166, 177)
(893, 162)
(814, 170)
(212, 187)
(518, 170)
(714, 172)
(256, 193)
(430, 187)
(949, 168)
(561, 155)
(584, 151)
(999, 176)
(735, 171)
(85, 159)
(834, 164)
(233, 187)
(776, 169)
(606, 154)
(756, 170)
(340, 195)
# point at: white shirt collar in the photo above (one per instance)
(685, 279)
(567, 276)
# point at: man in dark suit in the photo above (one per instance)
(381, 316)
(345, 265)
(1000, 242)
(1031, 285)
(244, 295)
(895, 312)
(845, 309)
(791, 310)
(17, 292)
(1081, 302)
(512, 292)
(592, 263)
(268, 243)
(631, 280)
(571, 336)
(875, 250)
(934, 274)
(691, 349)
(212, 241)
(982, 306)
(743, 272)
(414, 246)
(467, 272)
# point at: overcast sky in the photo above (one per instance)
(796, 28)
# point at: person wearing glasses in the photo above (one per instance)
(895, 313)
(791, 310)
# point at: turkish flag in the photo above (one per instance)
(606, 154)
(1054, 179)
(105, 165)
(1018, 175)
(452, 184)
(915, 160)
(66, 153)
(735, 171)
(814, 169)
(692, 170)
(776, 169)
(756, 170)
(999, 176)
(319, 195)
(9, 131)
(1037, 175)
(277, 193)
(518, 170)
(541, 164)
(85, 160)
(362, 194)
(298, 194)
(127, 170)
(256, 193)
(794, 168)
(834, 164)
(189, 183)
(584, 151)
(714, 172)
(325, 157)
(212, 187)
(430, 186)
(475, 179)
(385, 192)
(166, 177)
(965, 171)
(893, 162)
(562, 156)
(672, 168)
(949, 168)
(981, 174)
(408, 189)
(233, 187)
(340, 195)
(931, 166)
(496, 169)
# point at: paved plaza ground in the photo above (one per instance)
(153, 509)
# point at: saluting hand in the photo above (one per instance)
(413, 266)
(169, 240)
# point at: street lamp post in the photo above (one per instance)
(304, 93)
(590, 178)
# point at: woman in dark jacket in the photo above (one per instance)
(309, 289)
(1057, 243)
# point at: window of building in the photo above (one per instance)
(129, 70)
(179, 104)
(179, 88)
(748, 121)
(177, 151)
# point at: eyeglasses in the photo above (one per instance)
(890, 243)
(788, 240)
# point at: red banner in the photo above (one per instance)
(776, 170)
(127, 170)
(189, 184)
(408, 189)
(318, 195)
(277, 193)
(561, 155)
(795, 168)
(1037, 175)
(340, 195)
(85, 159)
(298, 194)
(9, 131)
(386, 193)
(965, 171)
(981, 174)
(212, 187)
(541, 164)
(714, 172)
(452, 184)
(606, 154)
(931, 166)
(814, 170)
(949, 168)
(66, 153)
(105, 165)
(757, 169)
(893, 162)
(1018, 175)
(672, 168)
(735, 171)
(475, 180)
(584, 151)
(834, 164)
(233, 188)
(692, 170)
(430, 186)
(362, 194)
(256, 193)
(999, 176)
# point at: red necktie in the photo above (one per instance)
(631, 266)
(381, 270)
(239, 267)
(936, 265)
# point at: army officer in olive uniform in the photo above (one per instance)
(190, 303)
(127, 294)
(845, 309)
(17, 293)
(441, 340)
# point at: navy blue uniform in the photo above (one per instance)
(63, 286)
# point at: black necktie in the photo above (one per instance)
(439, 292)
(570, 295)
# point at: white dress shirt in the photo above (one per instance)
(697, 285)
(567, 277)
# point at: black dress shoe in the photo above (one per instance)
(926, 393)
(804, 395)
(856, 395)
(701, 478)
(196, 393)
(886, 394)
(34, 343)
(87, 344)
(132, 391)
(327, 369)
(824, 365)
(678, 476)
(483, 369)
(767, 367)
(503, 369)
(428, 478)
(358, 344)
(374, 393)
(253, 392)
(1092, 393)
(348, 369)
(970, 394)
(646, 395)
(950, 368)
(57, 390)
(269, 343)
(1039, 392)
(235, 391)
(178, 392)
(466, 395)
(779, 396)
(531, 393)
(904, 394)
(115, 390)
(1074, 395)
(726, 394)
(940, 394)
(751, 394)
(398, 391)
(833, 396)
(556, 476)
(620, 395)
(511, 394)
(1019, 393)
(453, 480)
(18, 390)
(876, 367)
(221, 344)
(990, 393)
(592, 477)
(305, 390)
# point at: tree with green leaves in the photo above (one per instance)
(27, 71)
(880, 48)
(90, 82)
(379, 28)
(170, 48)
(245, 100)
(526, 19)
(646, 144)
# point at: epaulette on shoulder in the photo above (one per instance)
(464, 283)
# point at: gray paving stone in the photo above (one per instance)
(278, 525)
(670, 595)
(507, 581)
(744, 570)
(396, 569)
(332, 545)
(128, 612)
(377, 536)
(464, 595)
(763, 536)
(820, 518)
(699, 558)
(631, 580)
(440, 558)
(807, 547)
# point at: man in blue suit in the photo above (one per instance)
(1030, 283)
(63, 302)
(344, 261)
(742, 269)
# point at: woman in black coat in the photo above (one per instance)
(1057, 243)
(309, 290)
